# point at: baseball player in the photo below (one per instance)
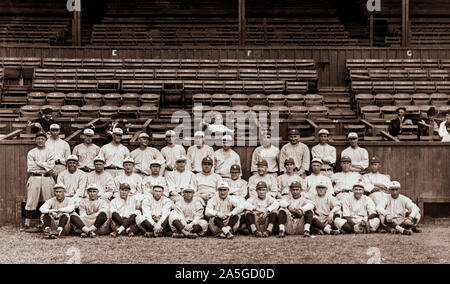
(93, 218)
(317, 176)
(400, 213)
(285, 180)
(143, 155)
(298, 151)
(60, 149)
(261, 175)
(294, 207)
(207, 181)
(197, 152)
(74, 179)
(155, 178)
(172, 151)
(377, 184)
(267, 151)
(261, 212)
(223, 210)
(326, 210)
(224, 158)
(343, 182)
(325, 152)
(86, 151)
(180, 178)
(114, 154)
(238, 186)
(56, 213)
(359, 156)
(101, 178)
(156, 207)
(124, 210)
(40, 164)
(129, 177)
(358, 213)
(186, 218)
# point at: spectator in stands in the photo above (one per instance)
(43, 123)
(217, 127)
(298, 151)
(446, 138)
(395, 126)
(358, 155)
(267, 152)
(443, 129)
(429, 117)
(325, 152)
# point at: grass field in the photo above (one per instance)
(430, 246)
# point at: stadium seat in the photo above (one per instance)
(30, 111)
(438, 99)
(220, 99)
(364, 99)
(384, 99)
(150, 100)
(298, 112)
(74, 98)
(370, 111)
(313, 100)
(36, 98)
(202, 98)
(93, 99)
(89, 110)
(130, 99)
(70, 111)
(239, 99)
(128, 111)
(111, 99)
(389, 112)
(148, 111)
(318, 111)
(109, 111)
(56, 98)
(420, 99)
(295, 100)
(276, 100)
(283, 111)
(358, 128)
(257, 100)
(402, 99)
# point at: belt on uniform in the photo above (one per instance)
(344, 191)
(86, 170)
(40, 175)
(113, 168)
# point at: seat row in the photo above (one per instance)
(400, 86)
(397, 63)
(399, 74)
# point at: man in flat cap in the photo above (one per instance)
(267, 151)
(197, 152)
(101, 178)
(44, 121)
(325, 152)
(395, 125)
(358, 155)
(74, 179)
(60, 149)
(343, 181)
(261, 175)
(114, 153)
(143, 155)
(86, 151)
(207, 180)
(226, 157)
(172, 151)
(296, 150)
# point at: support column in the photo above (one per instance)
(242, 29)
(405, 23)
(371, 30)
(76, 24)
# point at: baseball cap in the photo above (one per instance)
(262, 162)
(144, 135)
(261, 184)
(59, 185)
(170, 133)
(72, 158)
(394, 185)
(207, 159)
(316, 160)
(352, 135)
(227, 138)
(359, 184)
(223, 184)
(199, 134)
(374, 160)
(88, 132)
(118, 131)
(295, 184)
(158, 185)
(41, 133)
(155, 162)
(235, 168)
(294, 132)
(323, 131)
(346, 159)
(187, 188)
(93, 186)
(322, 183)
(181, 158)
(128, 160)
(289, 160)
(54, 126)
(124, 186)
(99, 158)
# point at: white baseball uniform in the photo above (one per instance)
(154, 210)
(61, 150)
(170, 154)
(370, 181)
(188, 213)
(105, 181)
(149, 181)
(142, 159)
(300, 154)
(359, 156)
(86, 155)
(75, 184)
(285, 180)
(177, 180)
(114, 156)
(398, 208)
(358, 211)
(270, 154)
(325, 153)
(312, 180)
(223, 160)
(270, 180)
(195, 156)
(134, 180)
(207, 184)
(238, 187)
(344, 182)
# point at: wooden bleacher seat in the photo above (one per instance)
(295, 100)
(109, 111)
(420, 99)
(55, 98)
(402, 99)
(317, 111)
(276, 100)
(70, 111)
(148, 111)
(93, 99)
(370, 111)
(384, 99)
(74, 98)
(202, 98)
(220, 99)
(150, 99)
(257, 99)
(239, 99)
(298, 112)
(438, 99)
(36, 98)
(30, 111)
(313, 100)
(89, 110)
(112, 99)
(388, 112)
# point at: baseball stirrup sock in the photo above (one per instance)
(196, 229)
(63, 221)
(117, 219)
(308, 217)
(75, 220)
(316, 223)
(272, 218)
(100, 220)
(147, 226)
(129, 221)
(348, 228)
(218, 222)
(177, 224)
(250, 217)
(233, 220)
(282, 218)
(47, 220)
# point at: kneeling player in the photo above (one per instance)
(293, 208)
(327, 209)
(154, 221)
(56, 213)
(186, 220)
(224, 210)
(93, 218)
(400, 213)
(262, 211)
(358, 211)
(124, 210)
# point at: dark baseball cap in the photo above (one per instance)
(207, 159)
(235, 168)
(261, 184)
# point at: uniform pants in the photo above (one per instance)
(129, 222)
(100, 222)
(216, 224)
(37, 186)
(53, 223)
(145, 226)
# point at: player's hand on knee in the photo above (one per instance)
(188, 227)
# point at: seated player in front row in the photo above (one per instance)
(154, 221)
(186, 218)
(223, 210)
(124, 210)
(294, 207)
(358, 213)
(56, 213)
(400, 213)
(93, 218)
(261, 212)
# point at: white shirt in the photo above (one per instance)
(44, 156)
(345, 181)
(312, 180)
(177, 180)
(223, 160)
(105, 181)
(285, 180)
(134, 180)
(359, 156)
(324, 152)
(370, 179)
(170, 154)
(75, 182)
(270, 180)
(195, 156)
(300, 154)
(270, 154)
(114, 155)
(443, 130)
(149, 181)
(155, 210)
(60, 148)
(142, 159)
(86, 155)
(125, 208)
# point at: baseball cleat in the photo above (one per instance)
(265, 234)
(258, 234)
(130, 234)
(281, 234)
(221, 235)
(47, 231)
(245, 231)
(416, 230)
(114, 234)
(84, 235)
(192, 236)
(149, 235)
(31, 230)
(230, 236)
(335, 232)
(306, 234)
(92, 234)
(407, 232)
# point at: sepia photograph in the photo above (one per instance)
(204, 133)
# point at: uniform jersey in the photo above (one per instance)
(270, 154)
(142, 159)
(170, 154)
(289, 202)
(399, 207)
(371, 179)
(195, 156)
(207, 184)
(324, 152)
(75, 183)
(359, 156)
(300, 154)
(86, 155)
(285, 180)
(134, 180)
(238, 187)
(269, 204)
(156, 209)
(114, 155)
(312, 180)
(362, 208)
(60, 148)
(324, 206)
(177, 180)
(44, 156)
(345, 181)
(105, 181)
(90, 207)
(270, 180)
(190, 211)
(64, 207)
(223, 160)
(125, 208)
(149, 181)
(231, 204)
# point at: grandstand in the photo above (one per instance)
(320, 64)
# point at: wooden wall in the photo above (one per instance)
(423, 169)
(331, 61)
